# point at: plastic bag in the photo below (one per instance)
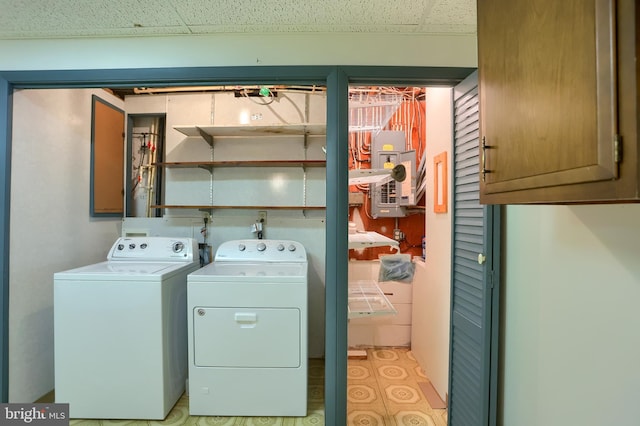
(396, 267)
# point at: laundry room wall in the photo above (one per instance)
(242, 185)
(51, 229)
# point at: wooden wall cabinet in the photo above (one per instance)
(558, 101)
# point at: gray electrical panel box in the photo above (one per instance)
(388, 149)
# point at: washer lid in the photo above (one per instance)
(241, 271)
(117, 270)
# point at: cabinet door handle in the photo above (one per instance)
(484, 170)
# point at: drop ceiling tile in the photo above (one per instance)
(104, 18)
(59, 16)
(452, 12)
(267, 29)
(300, 13)
(95, 32)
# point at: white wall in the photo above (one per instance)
(51, 229)
(431, 296)
(571, 316)
(240, 49)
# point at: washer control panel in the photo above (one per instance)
(261, 250)
(154, 249)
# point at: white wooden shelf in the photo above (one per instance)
(210, 165)
(243, 207)
(208, 132)
(368, 239)
(366, 299)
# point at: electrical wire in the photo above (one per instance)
(408, 117)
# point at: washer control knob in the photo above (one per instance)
(132, 246)
(292, 247)
(120, 247)
(280, 247)
(261, 246)
(143, 246)
(178, 247)
(241, 247)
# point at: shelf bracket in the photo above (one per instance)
(208, 167)
(206, 136)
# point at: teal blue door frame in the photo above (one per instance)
(337, 80)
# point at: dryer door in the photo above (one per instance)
(246, 337)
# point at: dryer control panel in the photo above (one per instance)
(261, 250)
(154, 249)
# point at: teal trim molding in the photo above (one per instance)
(6, 104)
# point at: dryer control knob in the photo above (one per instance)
(261, 246)
(178, 247)
(280, 247)
(241, 247)
(292, 247)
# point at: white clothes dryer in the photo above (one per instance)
(120, 330)
(248, 331)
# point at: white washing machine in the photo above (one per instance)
(248, 331)
(120, 330)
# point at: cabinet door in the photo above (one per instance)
(547, 72)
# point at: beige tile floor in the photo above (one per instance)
(382, 391)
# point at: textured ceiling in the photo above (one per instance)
(32, 19)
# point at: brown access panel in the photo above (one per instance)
(107, 159)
